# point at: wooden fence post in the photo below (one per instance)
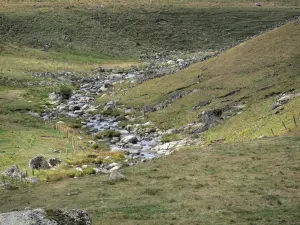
(284, 125)
(272, 132)
(294, 119)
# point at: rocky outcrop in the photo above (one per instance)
(201, 104)
(282, 100)
(46, 217)
(14, 171)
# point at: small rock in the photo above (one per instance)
(79, 169)
(116, 176)
(276, 105)
(136, 146)
(91, 142)
(129, 139)
(72, 193)
(257, 4)
(54, 162)
(33, 114)
(147, 123)
(100, 170)
(7, 187)
(285, 98)
(32, 180)
(56, 151)
(53, 96)
(171, 62)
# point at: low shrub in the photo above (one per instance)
(112, 112)
(95, 146)
(124, 123)
(89, 171)
(75, 125)
(108, 134)
(65, 91)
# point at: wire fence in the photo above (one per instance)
(67, 133)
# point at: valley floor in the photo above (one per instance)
(243, 183)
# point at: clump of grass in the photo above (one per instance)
(112, 112)
(108, 134)
(95, 146)
(171, 137)
(75, 125)
(152, 191)
(121, 118)
(58, 174)
(89, 171)
(124, 123)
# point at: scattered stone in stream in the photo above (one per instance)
(46, 217)
(129, 139)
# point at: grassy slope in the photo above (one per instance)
(269, 59)
(243, 183)
(23, 136)
(135, 29)
(18, 63)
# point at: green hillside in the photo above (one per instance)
(135, 28)
(259, 69)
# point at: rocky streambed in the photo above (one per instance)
(140, 141)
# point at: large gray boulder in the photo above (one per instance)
(46, 217)
(39, 162)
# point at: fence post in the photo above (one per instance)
(294, 119)
(272, 132)
(284, 125)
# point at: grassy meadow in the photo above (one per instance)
(240, 183)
